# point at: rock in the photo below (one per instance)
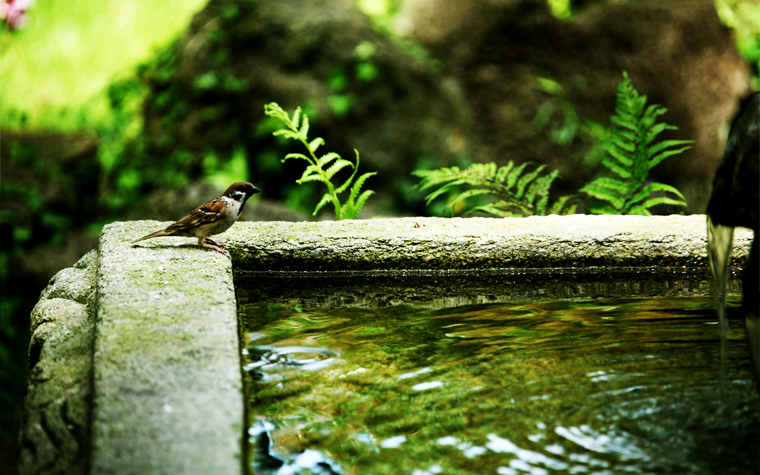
(55, 430)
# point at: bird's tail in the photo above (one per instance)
(152, 235)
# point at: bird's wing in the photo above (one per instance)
(200, 216)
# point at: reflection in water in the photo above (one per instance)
(602, 386)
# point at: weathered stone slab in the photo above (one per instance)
(167, 382)
(477, 243)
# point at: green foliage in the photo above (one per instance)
(522, 193)
(631, 151)
(561, 9)
(324, 168)
(741, 17)
(59, 65)
(560, 120)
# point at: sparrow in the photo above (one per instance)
(214, 217)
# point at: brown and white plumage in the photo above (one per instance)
(214, 217)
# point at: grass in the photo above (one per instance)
(55, 71)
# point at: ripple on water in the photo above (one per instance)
(614, 386)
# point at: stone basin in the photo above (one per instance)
(134, 357)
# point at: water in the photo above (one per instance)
(719, 244)
(609, 385)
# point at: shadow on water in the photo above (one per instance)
(442, 373)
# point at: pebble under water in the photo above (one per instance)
(603, 386)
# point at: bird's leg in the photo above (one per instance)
(213, 245)
(216, 243)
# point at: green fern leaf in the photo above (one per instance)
(443, 190)
(326, 198)
(503, 172)
(296, 155)
(327, 158)
(610, 183)
(287, 134)
(347, 183)
(336, 167)
(492, 208)
(525, 179)
(601, 208)
(451, 205)
(519, 189)
(622, 170)
(559, 206)
(310, 178)
(663, 155)
(315, 171)
(605, 194)
(653, 187)
(630, 152)
(643, 209)
(359, 183)
(314, 144)
(360, 202)
(514, 175)
(296, 117)
(304, 131)
(540, 189)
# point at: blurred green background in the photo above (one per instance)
(75, 85)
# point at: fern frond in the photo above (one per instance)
(327, 158)
(621, 165)
(650, 133)
(559, 206)
(288, 134)
(503, 172)
(630, 152)
(359, 183)
(309, 178)
(296, 117)
(643, 209)
(514, 175)
(295, 155)
(523, 193)
(608, 194)
(360, 202)
(495, 209)
(601, 208)
(653, 187)
(526, 179)
(451, 205)
(314, 144)
(663, 155)
(315, 171)
(326, 198)
(540, 189)
(355, 201)
(336, 167)
(304, 130)
(443, 190)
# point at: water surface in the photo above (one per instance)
(610, 385)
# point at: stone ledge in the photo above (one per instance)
(476, 243)
(167, 379)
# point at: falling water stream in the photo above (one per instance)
(480, 384)
(719, 243)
